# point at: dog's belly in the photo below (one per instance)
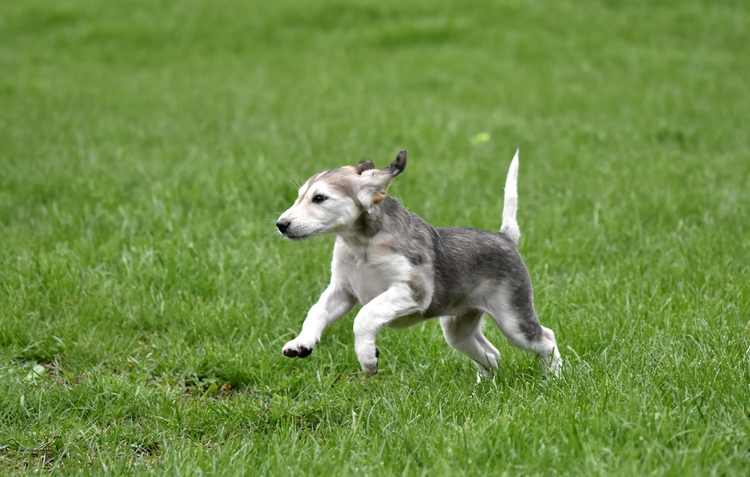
(406, 321)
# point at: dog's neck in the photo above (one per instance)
(371, 222)
(368, 224)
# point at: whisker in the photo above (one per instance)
(296, 183)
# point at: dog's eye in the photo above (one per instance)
(319, 198)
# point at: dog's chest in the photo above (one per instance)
(368, 274)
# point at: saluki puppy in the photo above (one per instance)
(403, 270)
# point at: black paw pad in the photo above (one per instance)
(304, 352)
(377, 353)
(290, 353)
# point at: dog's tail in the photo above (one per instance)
(510, 225)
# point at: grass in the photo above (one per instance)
(147, 147)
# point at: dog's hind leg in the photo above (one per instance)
(464, 334)
(513, 312)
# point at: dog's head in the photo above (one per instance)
(332, 201)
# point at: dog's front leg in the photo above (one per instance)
(395, 302)
(334, 303)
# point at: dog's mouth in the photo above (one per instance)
(302, 233)
(297, 238)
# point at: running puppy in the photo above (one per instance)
(403, 270)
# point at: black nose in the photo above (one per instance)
(283, 225)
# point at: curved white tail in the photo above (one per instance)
(510, 226)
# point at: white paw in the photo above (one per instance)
(297, 348)
(554, 366)
(368, 359)
(485, 373)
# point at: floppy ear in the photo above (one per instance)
(398, 166)
(375, 187)
(363, 166)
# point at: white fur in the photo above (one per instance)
(510, 207)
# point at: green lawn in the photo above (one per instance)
(147, 147)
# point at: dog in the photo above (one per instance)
(403, 271)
